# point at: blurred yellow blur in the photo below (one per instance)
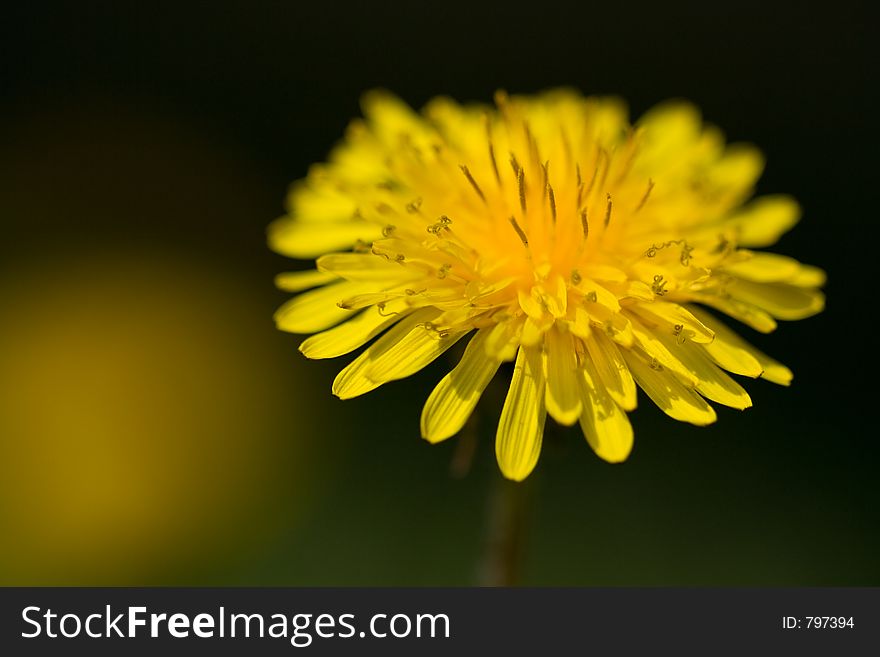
(141, 428)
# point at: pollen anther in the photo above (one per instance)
(658, 287)
(585, 225)
(470, 179)
(686, 254)
(380, 308)
(521, 184)
(645, 197)
(519, 231)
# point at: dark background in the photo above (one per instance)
(156, 429)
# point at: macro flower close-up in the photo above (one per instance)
(596, 254)
(386, 327)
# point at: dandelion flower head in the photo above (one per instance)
(551, 232)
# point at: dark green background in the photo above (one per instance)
(178, 126)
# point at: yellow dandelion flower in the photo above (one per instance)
(556, 235)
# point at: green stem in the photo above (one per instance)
(505, 536)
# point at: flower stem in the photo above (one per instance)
(504, 542)
(465, 449)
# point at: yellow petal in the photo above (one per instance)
(453, 400)
(631, 290)
(758, 319)
(606, 427)
(316, 199)
(738, 169)
(563, 394)
(808, 276)
(533, 330)
(601, 294)
(503, 340)
(308, 239)
(359, 160)
(390, 118)
(411, 353)
(646, 339)
(668, 127)
(670, 395)
(730, 351)
(780, 300)
(530, 302)
(297, 281)
(556, 296)
(620, 330)
(367, 299)
(366, 267)
(612, 371)
(521, 427)
(774, 371)
(673, 319)
(775, 268)
(600, 272)
(763, 221)
(712, 383)
(615, 325)
(460, 126)
(353, 381)
(354, 333)
(580, 324)
(317, 309)
(763, 267)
